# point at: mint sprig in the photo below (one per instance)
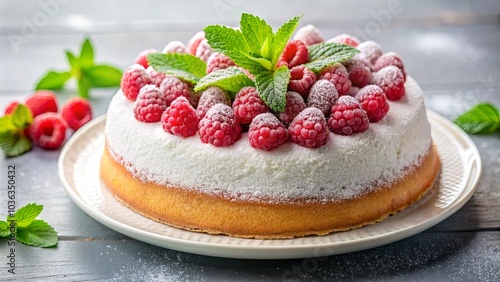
(83, 68)
(185, 66)
(483, 118)
(13, 140)
(326, 54)
(29, 230)
(231, 79)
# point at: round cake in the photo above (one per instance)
(291, 190)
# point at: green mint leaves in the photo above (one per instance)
(185, 66)
(13, 140)
(29, 230)
(231, 79)
(325, 54)
(481, 119)
(83, 68)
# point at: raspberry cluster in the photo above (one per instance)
(50, 124)
(343, 98)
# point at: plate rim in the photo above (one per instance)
(285, 251)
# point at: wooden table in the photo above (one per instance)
(452, 48)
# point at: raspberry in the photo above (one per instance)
(174, 47)
(218, 61)
(309, 34)
(42, 101)
(219, 126)
(180, 118)
(155, 76)
(323, 95)
(150, 104)
(77, 112)
(301, 80)
(294, 105)
(48, 130)
(11, 107)
(348, 117)
(338, 75)
(248, 105)
(345, 38)
(142, 59)
(294, 54)
(373, 101)
(210, 97)
(370, 50)
(133, 79)
(392, 81)
(309, 128)
(204, 51)
(389, 59)
(359, 71)
(172, 87)
(267, 132)
(194, 42)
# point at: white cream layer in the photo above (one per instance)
(347, 166)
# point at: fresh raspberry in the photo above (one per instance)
(338, 75)
(174, 47)
(370, 51)
(392, 81)
(301, 80)
(348, 117)
(389, 59)
(247, 105)
(48, 130)
(219, 126)
(194, 42)
(345, 38)
(209, 98)
(373, 101)
(352, 92)
(155, 76)
(180, 118)
(359, 71)
(218, 61)
(204, 51)
(77, 112)
(172, 87)
(11, 107)
(133, 79)
(267, 132)
(309, 128)
(294, 105)
(150, 104)
(42, 101)
(323, 95)
(294, 54)
(309, 34)
(142, 59)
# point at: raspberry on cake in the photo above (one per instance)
(263, 164)
(142, 58)
(345, 38)
(174, 47)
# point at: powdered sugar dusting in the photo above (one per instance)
(347, 166)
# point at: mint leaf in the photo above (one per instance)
(272, 88)
(281, 38)
(27, 214)
(482, 118)
(256, 32)
(86, 54)
(83, 87)
(185, 66)
(38, 234)
(327, 49)
(4, 229)
(74, 62)
(103, 76)
(231, 79)
(15, 145)
(318, 65)
(53, 80)
(22, 117)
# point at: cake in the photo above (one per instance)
(343, 176)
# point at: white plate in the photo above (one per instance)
(461, 168)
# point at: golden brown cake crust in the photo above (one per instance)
(202, 212)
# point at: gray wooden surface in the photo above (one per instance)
(452, 48)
